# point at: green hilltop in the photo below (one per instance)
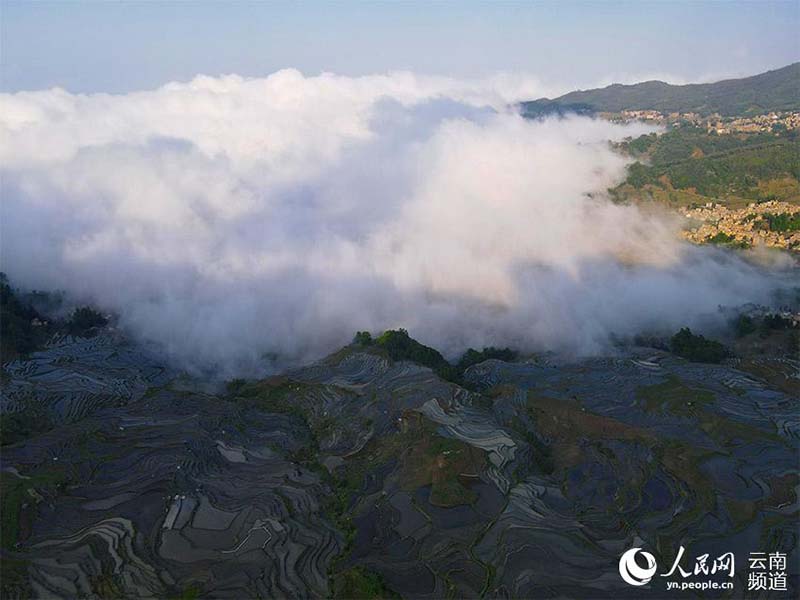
(777, 90)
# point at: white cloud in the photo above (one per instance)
(226, 218)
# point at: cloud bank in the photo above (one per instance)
(231, 220)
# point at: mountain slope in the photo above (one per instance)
(773, 90)
(367, 476)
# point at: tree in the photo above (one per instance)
(697, 348)
(84, 320)
(17, 332)
(363, 338)
(744, 325)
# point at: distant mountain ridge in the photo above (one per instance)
(777, 90)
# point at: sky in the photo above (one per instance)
(118, 47)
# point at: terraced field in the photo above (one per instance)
(360, 476)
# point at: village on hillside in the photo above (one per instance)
(772, 224)
(775, 121)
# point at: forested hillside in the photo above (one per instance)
(774, 90)
(757, 167)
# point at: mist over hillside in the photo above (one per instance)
(230, 219)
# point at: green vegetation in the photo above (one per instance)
(563, 428)
(423, 458)
(14, 582)
(357, 583)
(401, 346)
(777, 373)
(776, 322)
(640, 145)
(545, 108)
(442, 463)
(571, 430)
(737, 172)
(23, 329)
(19, 495)
(18, 335)
(674, 397)
(106, 585)
(192, 592)
(234, 386)
(541, 452)
(773, 326)
(564, 431)
(744, 325)
(782, 221)
(276, 394)
(723, 239)
(21, 425)
(687, 166)
(773, 90)
(697, 348)
(689, 142)
(363, 338)
(85, 320)
(704, 167)
(473, 357)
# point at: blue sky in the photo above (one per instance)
(118, 47)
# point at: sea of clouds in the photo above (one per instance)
(236, 222)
